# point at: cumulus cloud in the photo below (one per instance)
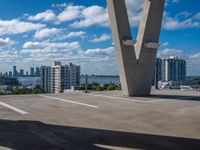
(195, 56)
(92, 15)
(46, 32)
(102, 38)
(134, 8)
(75, 34)
(70, 35)
(48, 15)
(98, 51)
(175, 23)
(197, 16)
(5, 42)
(170, 52)
(8, 55)
(16, 26)
(71, 12)
(38, 45)
(45, 52)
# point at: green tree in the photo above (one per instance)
(111, 88)
(99, 88)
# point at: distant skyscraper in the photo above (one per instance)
(173, 69)
(37, 72)
(21, 72)
(59, 77)
(14, 71)
(32, 72)
(170, 69)
(10, 73)
(46, 78)
(26, 73)
(74, 74)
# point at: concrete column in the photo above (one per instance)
(136, 60)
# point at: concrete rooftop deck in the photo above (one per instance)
(168, 120)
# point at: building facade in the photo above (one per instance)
(173, 69)
(32, 73)
(14, 71)
(170, 69)
(57, 78)
(46, 78)
(37, 72)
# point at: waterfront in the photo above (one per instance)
(32, 81)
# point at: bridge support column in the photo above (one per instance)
(136, 59)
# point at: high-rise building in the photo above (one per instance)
(170, 69)
(57, 78)
(10, 73)
(74, 74)
(21, 72)
(46, 78)
(37, 72)
(32, 72)
(173, 69)
(14, 71)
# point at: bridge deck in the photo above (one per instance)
(102, 120)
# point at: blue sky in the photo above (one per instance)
(37, 32)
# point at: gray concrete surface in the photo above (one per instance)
(136, 62)
(168, 120)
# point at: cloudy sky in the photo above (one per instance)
(37, 32)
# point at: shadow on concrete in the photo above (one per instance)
(176, 97)
(32, 135)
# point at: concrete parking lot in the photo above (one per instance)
(168, 120)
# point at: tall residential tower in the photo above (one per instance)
(57, 78)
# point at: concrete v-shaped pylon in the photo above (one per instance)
(136, 59)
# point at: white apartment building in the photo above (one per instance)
(173, 69)
(57, 78)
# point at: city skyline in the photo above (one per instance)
(15, 72)
(43, 31)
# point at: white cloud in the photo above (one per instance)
(98, 52)
(16, 26)
(134, 8)
(71, 12)
(170, 52)
(195, 56)
(39, 45)
(48, 15)
(102, 38)
(75, 34)
(8, 55)
(197, 16)
(46, 33)
(92, 15)
(62, 35)
(170, 23)
(165, 44)
(45, 52)
(5, 42)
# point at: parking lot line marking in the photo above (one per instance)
(127, 99)
(13, 108)
(69, 101)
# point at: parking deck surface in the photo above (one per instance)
(101, 120)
